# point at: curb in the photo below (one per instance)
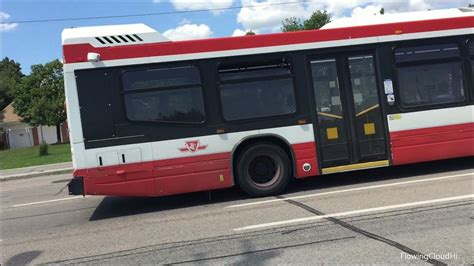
(36, 174)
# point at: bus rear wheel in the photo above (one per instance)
(263, 169)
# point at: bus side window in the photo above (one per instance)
(256, 89)
(429, 75)
(164, 95)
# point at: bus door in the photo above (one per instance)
(349, 128)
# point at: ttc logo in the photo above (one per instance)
(192, 146)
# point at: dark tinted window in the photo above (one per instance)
(257, 99)
(431, 84)
(427, 52)
(471, 47)
(429, 75)
(152, 96)
(251, 90)
(179, 105)
(159, 78)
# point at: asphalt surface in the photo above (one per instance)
(418, 214)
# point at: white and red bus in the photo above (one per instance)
(153, 117)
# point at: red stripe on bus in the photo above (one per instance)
(429, 144)
(177, 175)
(75, 53)
(191, 174)
(159, 178)
(133, 179)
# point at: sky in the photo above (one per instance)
(38, 43)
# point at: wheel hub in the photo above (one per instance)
(263, 170)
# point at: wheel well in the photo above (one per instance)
(262, 139)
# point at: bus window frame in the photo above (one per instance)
(396, 80)
(256, 58)
(124, 92)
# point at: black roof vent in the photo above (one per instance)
(119, 39)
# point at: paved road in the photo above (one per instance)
(421, 213)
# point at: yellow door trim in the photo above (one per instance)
(357, 166)
(367, 110)
(330, 115)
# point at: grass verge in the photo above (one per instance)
(24, 157)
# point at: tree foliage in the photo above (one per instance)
(316, 21)
(40, 98)
(250, 32)
(292, 24)
(10, 79)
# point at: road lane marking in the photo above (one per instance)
(46, 201)
(348, 190)
(348, 213)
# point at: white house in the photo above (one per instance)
(18, 134)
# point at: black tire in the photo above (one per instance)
(263, 169)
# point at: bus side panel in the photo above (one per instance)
(432, 135)
(191, 174)
(435, 143)
(113, 186)
(74, 121)
(160, 178)
(305, 154)
(134, 179)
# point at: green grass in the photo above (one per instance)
(24, 157)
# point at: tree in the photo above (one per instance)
(250, 32)
(316, 21)
(10, 79)
(40, 98)
(382, 11)
(292, 24)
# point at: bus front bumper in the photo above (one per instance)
(76, 186)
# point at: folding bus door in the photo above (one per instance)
(349, 129)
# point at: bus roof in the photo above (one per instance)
(145, 45)
(89, 34)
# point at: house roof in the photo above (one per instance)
(8, 114)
